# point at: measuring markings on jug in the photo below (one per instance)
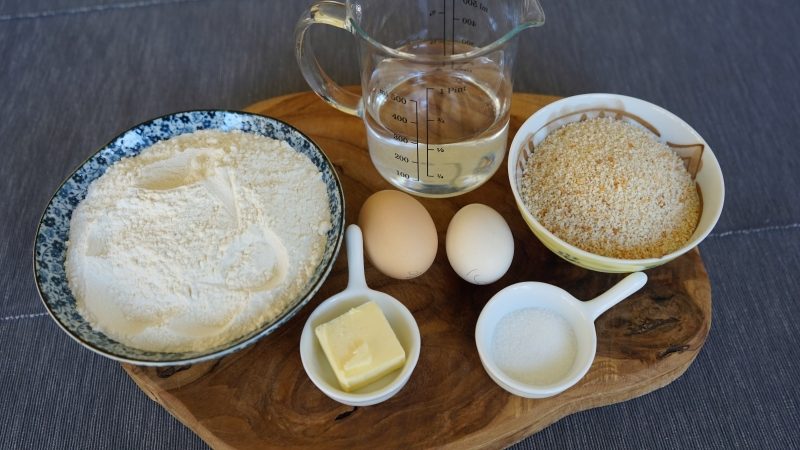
(462, 19)
(437, 131)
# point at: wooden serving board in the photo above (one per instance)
(261, 397)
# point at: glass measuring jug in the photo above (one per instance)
(436, 83)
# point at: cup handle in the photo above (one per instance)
(616, 294)
(355, 258)
(328, 13)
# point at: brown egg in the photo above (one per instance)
(399, 235)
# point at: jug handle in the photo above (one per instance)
(328, 13)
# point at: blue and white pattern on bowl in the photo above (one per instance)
(53, 232)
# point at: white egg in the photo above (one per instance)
(479, 244)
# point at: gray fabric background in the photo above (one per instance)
(75, 73)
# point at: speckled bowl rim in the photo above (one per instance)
(267, 328)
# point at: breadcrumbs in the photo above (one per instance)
(610, 188)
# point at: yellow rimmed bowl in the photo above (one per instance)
(667, 127)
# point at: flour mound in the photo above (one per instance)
(198, 240)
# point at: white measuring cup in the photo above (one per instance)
(357, 293)
(436, 82)
(579, 315)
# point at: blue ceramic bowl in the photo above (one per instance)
(53, 231)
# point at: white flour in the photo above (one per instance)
(196, 241)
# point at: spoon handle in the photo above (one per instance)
(616, 294)
(355, 258)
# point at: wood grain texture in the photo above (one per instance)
(261, 397)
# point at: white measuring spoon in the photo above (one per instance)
(579, 315)
(357, 293)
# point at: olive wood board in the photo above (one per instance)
(260, 397)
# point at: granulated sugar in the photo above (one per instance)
(534, 345)
(198, 240)
(610, 188)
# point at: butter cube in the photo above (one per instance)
(360, 346)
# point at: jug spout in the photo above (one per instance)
(508, 19)
(532, 14)
(502, 21)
